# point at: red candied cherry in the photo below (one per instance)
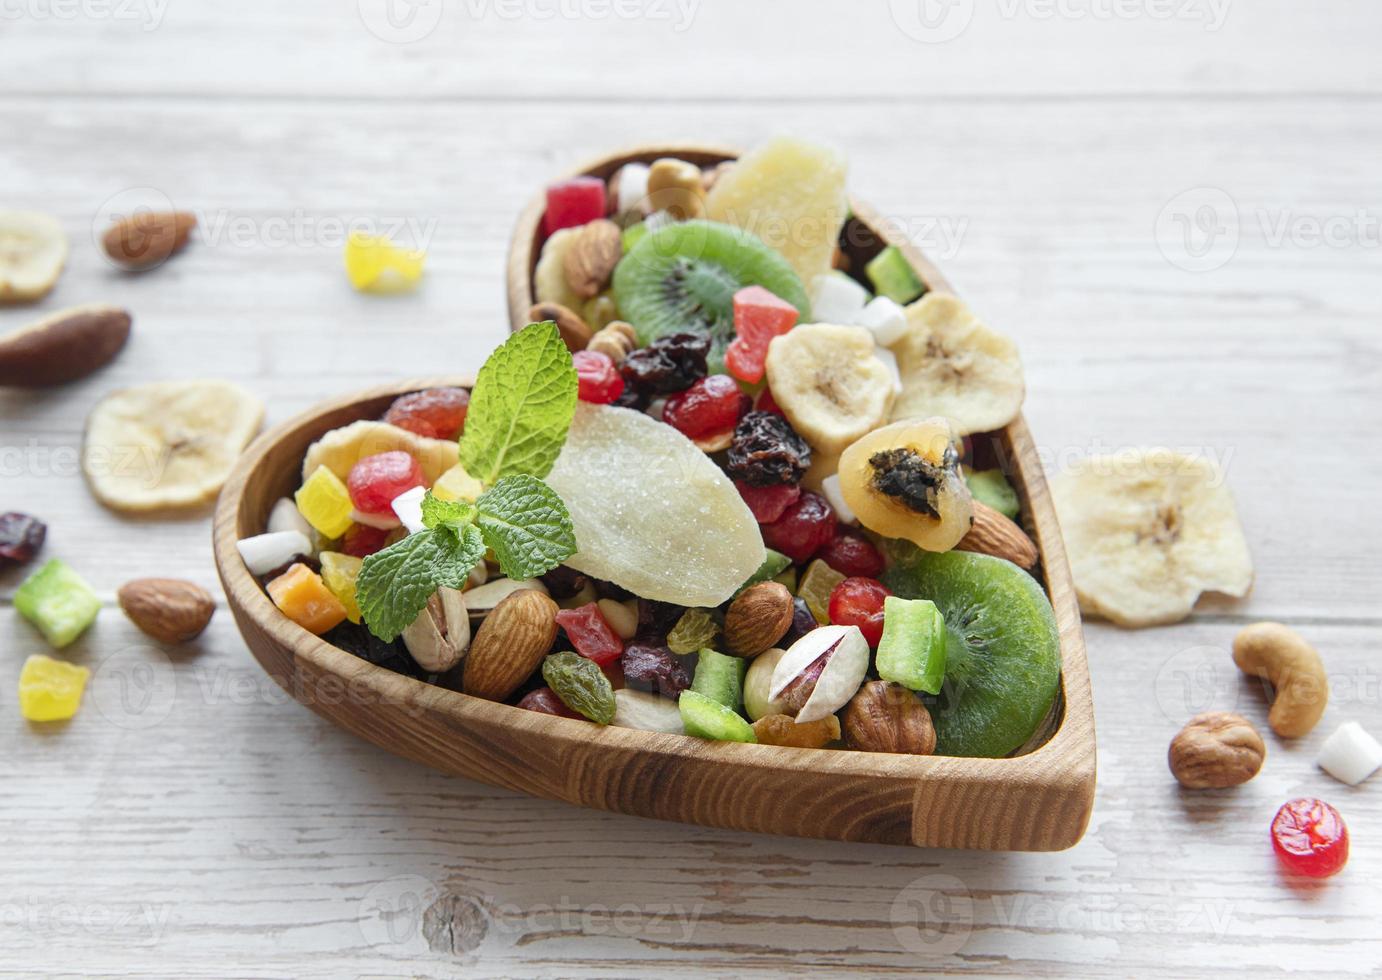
(573, 202)
(803, 529)
(853, 555)
(759, 316)
(438, 413)
(1310, 838)
(858, 602)
(545, 701)
(768, 503)
(376, 480)
(590, 634)
(710, 406)
(597, 379)
(362, 540)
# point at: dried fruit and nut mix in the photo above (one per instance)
(715, 488)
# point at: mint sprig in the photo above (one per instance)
(520, 411)
(521, 407)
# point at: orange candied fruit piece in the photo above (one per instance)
(304, 598)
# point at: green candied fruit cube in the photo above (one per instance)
(720, 677)
(893, 276)
(631, 236)
(58, 601)
(705, 717)
(912, 651)
(992, 487)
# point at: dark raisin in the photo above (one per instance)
(656, 669)
(767, 451)
(608, 590)
(672, 362)
(563, 582)
(803, 622)
(20, 538)
(632, 398)
(655, 620)
(356, 639)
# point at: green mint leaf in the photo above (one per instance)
(521, 406)
(454, 514)
(394, 584)
(527, 526)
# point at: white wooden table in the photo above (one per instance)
(191, 822)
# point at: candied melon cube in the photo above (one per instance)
(376, 265)
(339, 573)
(325, 502)
(457, 484)
(303, 597)
(50, 690)
(58, 601)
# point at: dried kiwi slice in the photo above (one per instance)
(684, 276)
(1002, 649)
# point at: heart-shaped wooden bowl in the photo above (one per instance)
(1037, 800)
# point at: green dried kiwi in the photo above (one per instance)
(683, 277)
(720, 677)
(581, 685)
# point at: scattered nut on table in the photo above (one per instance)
(63, 346)
(168, 609)
(1280, 655)
(1216, 750)
(146, 239)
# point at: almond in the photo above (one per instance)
(591, 259)
(993, 534)
(757, 618)
(575, 332)
(168, 609)
(63, 346)
(510, 645)
(144, 240)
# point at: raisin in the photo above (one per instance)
(632, 398)
(20, 538)
(654, 668)
(655, 620)
(767, 451)
(356, 639)
(803, 622)
(563, 582)
(671, 363)
(545, 700)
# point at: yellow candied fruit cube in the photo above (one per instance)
(325, 503)
(50, 690)
(302, 596)
(339, 573)
(376, 265)
(817, 582)
(457, 484)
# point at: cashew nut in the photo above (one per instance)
(1281, 655)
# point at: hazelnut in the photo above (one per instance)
(675, 186)
(1216, 750)
(886, 717)
(575, 332)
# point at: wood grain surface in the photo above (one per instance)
(194, 822)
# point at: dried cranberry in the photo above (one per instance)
(803, 622)
(656, 669)
(859, 602)
(672, 362)
(1310, 838)
(767, 450)
(438, 413)
(768, 503)
(597, 379)
(709, 406)
(803, 529)
(362, 540)
(377, 480)
(545, 700)
(590, 634)
(20, 538)
(850, 554)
